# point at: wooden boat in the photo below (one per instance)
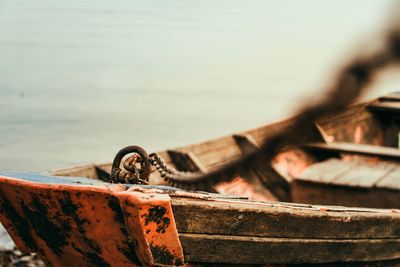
(347, 179)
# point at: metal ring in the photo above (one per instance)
(145, 170)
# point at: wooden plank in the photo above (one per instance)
(385, 106)
(217, 152)
(214, 153)
(102, 173)
(359, 149)
(364, 174)
(357, 186)
(104, 166)
(87, 171)
(390, 181)
(216, 158)
(193, 158)
(282, 220)
(365, 127)
(390, 97)
(185, 161)
(257, 250)
(326, 194)
(246, 146)
(326, 171)
(259, 134)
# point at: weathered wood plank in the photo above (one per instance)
(326, 171)
(220, 151)
(246, 146)
(366, 184)
(365, 127)
(257, 250)
(102, 173)
(390, 181)
(328, 194)
(360, 149)
(87, 171)
(282, 220)
(261, 133)
(390, 97)
(364, 174)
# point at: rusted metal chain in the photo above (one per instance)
(131, 173)
(169, 174)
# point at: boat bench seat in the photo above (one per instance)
(350, 182)
(388, 104)
(354, 173)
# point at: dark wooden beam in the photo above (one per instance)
(256, 250)
(360, 149)
(102, 173)
(392, 106)
(390, 97)
(185, 161)
(286, 220)
(245, 145)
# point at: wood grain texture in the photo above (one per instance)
(390, 181)
(257, 250)
(343, 126)
(367, 183)
(283, 220)
(364, 174)
(326, 171)
(327, 194)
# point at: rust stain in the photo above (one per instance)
(59, 223)
(292, 162)
(75, 225)
(157, 215)
(158, 240)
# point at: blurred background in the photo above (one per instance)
(81, 79)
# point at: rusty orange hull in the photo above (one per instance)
(83, 222)
(82, 225)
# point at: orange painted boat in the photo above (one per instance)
(347, 179)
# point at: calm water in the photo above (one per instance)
(81, 79)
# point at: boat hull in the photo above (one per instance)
(91, 223)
